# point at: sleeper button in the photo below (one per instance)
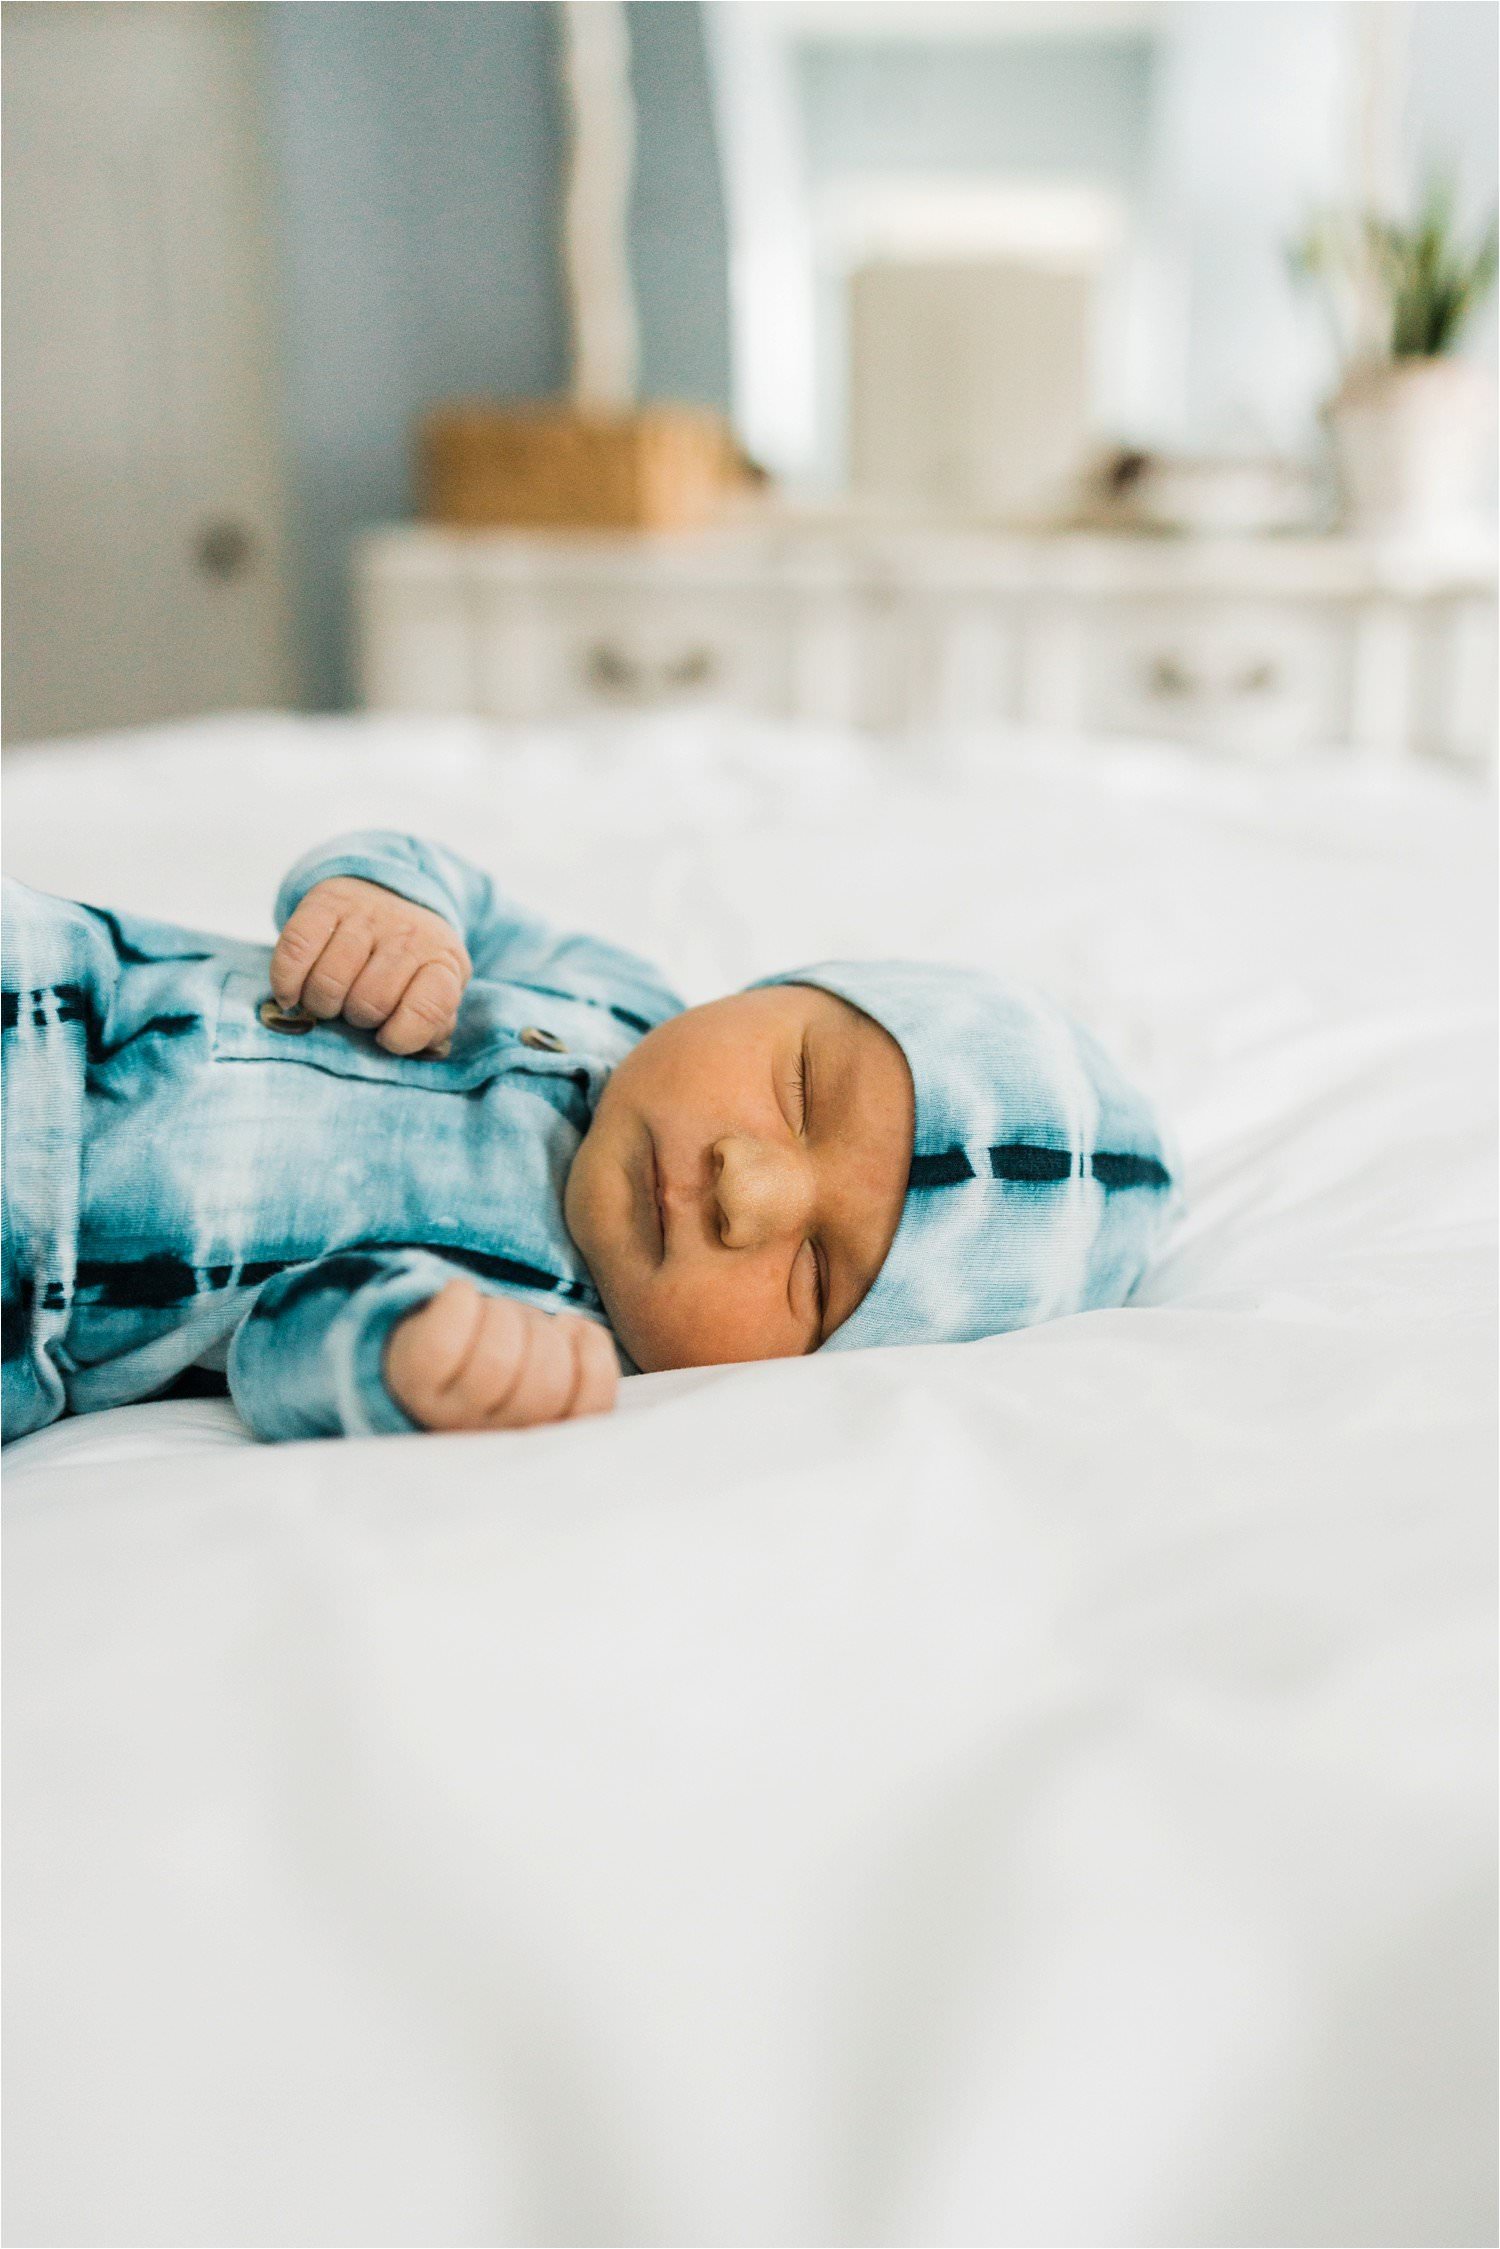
(544, 1042)
(293, 1020)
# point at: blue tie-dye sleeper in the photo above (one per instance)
(188, 1188)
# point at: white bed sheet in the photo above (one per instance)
(1033, 1792)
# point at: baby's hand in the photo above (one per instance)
(356, 950)
(468, 1360)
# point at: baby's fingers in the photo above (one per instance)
(301, 942)
(569, 1370)
(326, 985)
(426, 1011)
(468, 1360)
(599, 1385)
(427, 1352)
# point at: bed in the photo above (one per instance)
(1039, 1791)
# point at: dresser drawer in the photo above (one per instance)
(564, 651)
(1260, 647)
(1265, 680)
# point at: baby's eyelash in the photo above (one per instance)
(819, 1292)
(801, 1079)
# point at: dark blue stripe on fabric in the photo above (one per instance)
(944, 1170)
(136, 1283)
(15, 1327)
(124, 950)
(1019, 1160)
(624, 1015)
(70, 1005)
(1024, 1163)
(159, 1279)
(74, 1003)
(156, 1027)
(151, 1283)
(1115, 1172)
(506, 1269)
(338, 1275)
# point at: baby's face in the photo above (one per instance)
(743, 1177)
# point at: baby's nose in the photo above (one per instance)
(762, 1191)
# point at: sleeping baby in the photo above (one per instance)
(430, 1164)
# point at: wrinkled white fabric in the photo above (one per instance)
(1033, 1791)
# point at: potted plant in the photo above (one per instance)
(1412, 423)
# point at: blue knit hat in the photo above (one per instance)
(1039, 1182)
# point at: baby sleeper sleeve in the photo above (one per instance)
(306, 1360)
(503, 940)
(429, 875)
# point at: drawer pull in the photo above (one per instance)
(1170, 678)
(695, 669)
(610, 669)
(224, 549)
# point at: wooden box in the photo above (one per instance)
(661, 468)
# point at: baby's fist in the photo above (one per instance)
(355, 949)
(467, 1360)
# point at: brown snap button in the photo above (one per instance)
(544, 1042)
(293, 1020)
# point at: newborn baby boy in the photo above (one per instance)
(430, 1164)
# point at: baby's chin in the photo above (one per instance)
(598, 1214)
(630, 1330)
(614, 1260)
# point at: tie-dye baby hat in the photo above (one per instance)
(1039, 1181)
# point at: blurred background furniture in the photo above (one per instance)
(146, 564)
(930, 260)
(656, 468)
(1263, 646)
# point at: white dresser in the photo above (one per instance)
(1262, 647)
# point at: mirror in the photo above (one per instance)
(972, 244)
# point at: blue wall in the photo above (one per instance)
(418, 150)
(419, 146)
(678, 235)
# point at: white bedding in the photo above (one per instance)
(1033, 1792)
